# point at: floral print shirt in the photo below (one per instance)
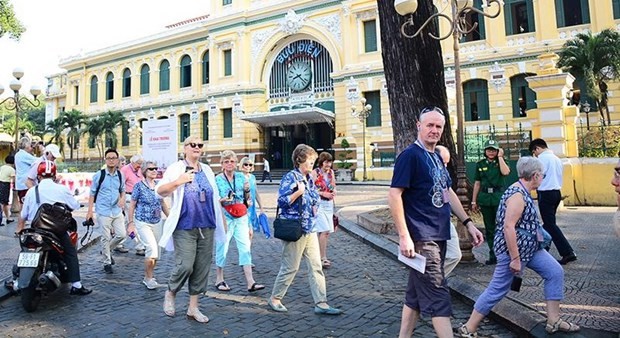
(310, 198)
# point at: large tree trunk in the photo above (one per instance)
(414, 73)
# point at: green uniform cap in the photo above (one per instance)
(491, 144)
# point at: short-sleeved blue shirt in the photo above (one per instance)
(109, 193)
(148, 204)
(224, 186)
(425, 180)
(194, 212)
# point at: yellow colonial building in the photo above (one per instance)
(261, 76)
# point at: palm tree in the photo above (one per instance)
(56, 127)
(73, 120)
(111, 120)
(595, 58)
(94, 129)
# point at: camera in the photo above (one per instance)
(88, 223)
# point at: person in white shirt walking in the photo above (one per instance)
(266, 170)
(550, 196)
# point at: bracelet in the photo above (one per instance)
(473, 203)
(129, 222)
(514, 259)
(467, 221)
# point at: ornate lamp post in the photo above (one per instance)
(18, 102)
(362, 115)
(458, 27)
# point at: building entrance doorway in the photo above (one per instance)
(281, 141)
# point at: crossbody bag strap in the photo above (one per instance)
(36, 194)
(298, 209)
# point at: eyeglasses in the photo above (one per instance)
(248, 165)
(229, 161)
(429, 109)
(151, 169)
(617, 173)
(111, 158)
(194, 145)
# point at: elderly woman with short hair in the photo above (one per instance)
(518, 244)
(298, 199)
(144, 213)
(195, 219)
(251, 196)
(231, 187)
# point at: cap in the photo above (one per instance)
(491, 144)
(54, 150)
(46, 169)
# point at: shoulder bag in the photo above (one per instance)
(287, 229)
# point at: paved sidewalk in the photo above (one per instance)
(592, 283)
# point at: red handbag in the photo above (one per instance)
(236, 210)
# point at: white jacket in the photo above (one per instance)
(172, 173)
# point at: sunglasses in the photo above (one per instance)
(151, 169)
(429, 109)
(248, 165)
(194, 145)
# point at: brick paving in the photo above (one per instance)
(365, 283)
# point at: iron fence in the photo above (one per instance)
(514, 142)
(599, 140)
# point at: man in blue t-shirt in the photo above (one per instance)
(420, 201)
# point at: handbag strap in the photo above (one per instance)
(298, 209)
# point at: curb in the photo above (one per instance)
(6, 293)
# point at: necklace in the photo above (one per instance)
(438, 191)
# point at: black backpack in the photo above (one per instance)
(56, 217)
(102, 177)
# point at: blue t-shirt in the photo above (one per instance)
(235, 185)
(425, 181)
(148, 204)
(194, 212)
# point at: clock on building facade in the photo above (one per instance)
(299, 75)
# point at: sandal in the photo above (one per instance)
(222, 286)
(463, 332)
(255, 287)
(195, 314)
(326, 263)
(169, 304)
(551, 329)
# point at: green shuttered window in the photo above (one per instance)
(164, 76)
(205, 68)
(374, 99)
(227, 62)
(125, 133)
(126, 83)
(227, 122)
(184, 127)
(519, 16)
(205, 126)
(370, 36)
(109, 86)
(476, 97)
(186, 72)
(523, 98)
(145, 79)
(571, 12)
(94, 87)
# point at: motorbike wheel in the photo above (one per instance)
(31, 296)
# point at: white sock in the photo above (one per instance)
(77, 285)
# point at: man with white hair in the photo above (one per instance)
(132, 175)
(51, 153)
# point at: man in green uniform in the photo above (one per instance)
(488, 190)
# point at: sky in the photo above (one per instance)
(60, 28)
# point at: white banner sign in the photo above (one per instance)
(160, 141)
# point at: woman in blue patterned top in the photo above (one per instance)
(298, 198)
(517, 244)
(145, 211)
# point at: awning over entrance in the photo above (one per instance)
(291, 117)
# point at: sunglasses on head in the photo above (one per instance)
(194, 145)
(429, 109)
(151, 169)
(248, 165)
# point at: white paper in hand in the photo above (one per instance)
(418, 262)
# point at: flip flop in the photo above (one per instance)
(326, 263)
(256, 287)
(222, 286)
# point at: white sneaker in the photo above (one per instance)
(150, 284)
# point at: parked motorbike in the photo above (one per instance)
(40, 267)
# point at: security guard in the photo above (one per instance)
(488, 190)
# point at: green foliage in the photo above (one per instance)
(600, 141)
(9, 24)
(344, 155)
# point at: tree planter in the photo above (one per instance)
(344, 175)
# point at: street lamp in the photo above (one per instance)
(362, 115)
(458, 27)
(585, 107)
(17, 102)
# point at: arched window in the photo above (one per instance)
(186, 72)
(125, 133)
(205, 125)
(164, 76)
(184, 127)
(93, 89)
(109, 86)
(571, 12)
(476, 97)
(126, 82)
(523, 98)
(145, 80)
(205, 68)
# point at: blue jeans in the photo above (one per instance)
(542, 263)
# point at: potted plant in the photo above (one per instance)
(344, 172)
